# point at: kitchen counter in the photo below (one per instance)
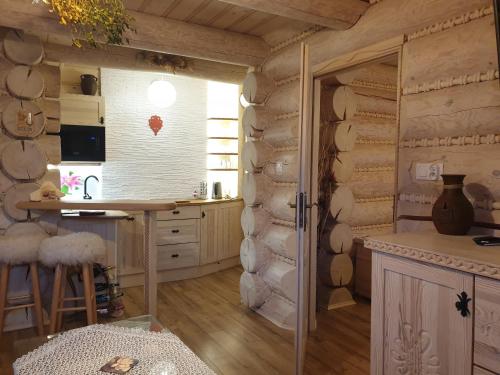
(456, 252)
(96, 204)
(199, 202)
(108, 215)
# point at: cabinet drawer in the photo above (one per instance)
(177, 231)
(190, 212)
(487, 324)
(178, 256)
(481, 371)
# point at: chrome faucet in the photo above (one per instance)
(85, 194)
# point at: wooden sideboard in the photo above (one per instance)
(195, 239)
(435, 305)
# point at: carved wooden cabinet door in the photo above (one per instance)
(421, 319)
(487, 324)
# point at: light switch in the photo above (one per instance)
(428, 171)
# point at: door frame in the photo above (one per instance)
(310, 121)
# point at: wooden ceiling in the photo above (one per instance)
(274, 29)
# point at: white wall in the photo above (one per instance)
(139, 164)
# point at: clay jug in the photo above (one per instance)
(452, 213)
(88, 84)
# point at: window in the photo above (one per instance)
(223, 137)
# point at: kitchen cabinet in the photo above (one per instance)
(435, 305)
(221, 232)
(481, 371)
(210, 233)
(130, 244)
(192, 240)
(417, 328)
(231, 234)
(82, 110)
(487, 324)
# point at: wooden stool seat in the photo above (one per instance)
(79, 250)
(20, 251)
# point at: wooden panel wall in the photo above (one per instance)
(450, 111)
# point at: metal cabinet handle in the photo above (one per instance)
(176, 212)
(203, 214)
(130, 218)
(175, 255)
(462, 304)
(175, 230)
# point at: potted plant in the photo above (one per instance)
(93, 21)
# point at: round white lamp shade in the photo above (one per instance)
(161, 94)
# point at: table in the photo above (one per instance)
(150, 208)
(85, 350)
(144, 322)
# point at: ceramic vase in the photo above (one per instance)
(452, 213)
(88, 84)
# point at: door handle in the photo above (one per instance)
(175, 230)
(175, 255)
(462, 304)
(203, 214)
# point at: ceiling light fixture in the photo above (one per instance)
(162, 94)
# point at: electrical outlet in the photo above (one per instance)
(428, 171)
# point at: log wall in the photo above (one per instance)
(449, 107)
(29, 111)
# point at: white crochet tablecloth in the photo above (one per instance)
(85, 350)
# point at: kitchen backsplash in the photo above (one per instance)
(139, 164)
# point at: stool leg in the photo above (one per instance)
(89, 294)
(94, 302)
(62, 294)
(4, 286)
(37, 299)
(56, 292)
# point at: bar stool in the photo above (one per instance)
(80, 250)
(20, 251)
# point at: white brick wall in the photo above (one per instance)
(139, 164)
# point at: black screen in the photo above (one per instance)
(83, 143)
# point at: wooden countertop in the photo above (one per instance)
(95, 204)
(457, 252)
(199, 202)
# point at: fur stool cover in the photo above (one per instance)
(20, 249)
(72, 249)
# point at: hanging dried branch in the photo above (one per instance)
(93, 21)
(171, 63)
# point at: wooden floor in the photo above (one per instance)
(207, 315)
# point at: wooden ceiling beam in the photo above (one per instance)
(115, 57)
(153, 34)
(335, 14)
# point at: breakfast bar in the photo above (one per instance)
(149, 207)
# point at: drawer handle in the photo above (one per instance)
(462, 304)
(176, 212)
(175, 255)
(175, 230)
(130, 218)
